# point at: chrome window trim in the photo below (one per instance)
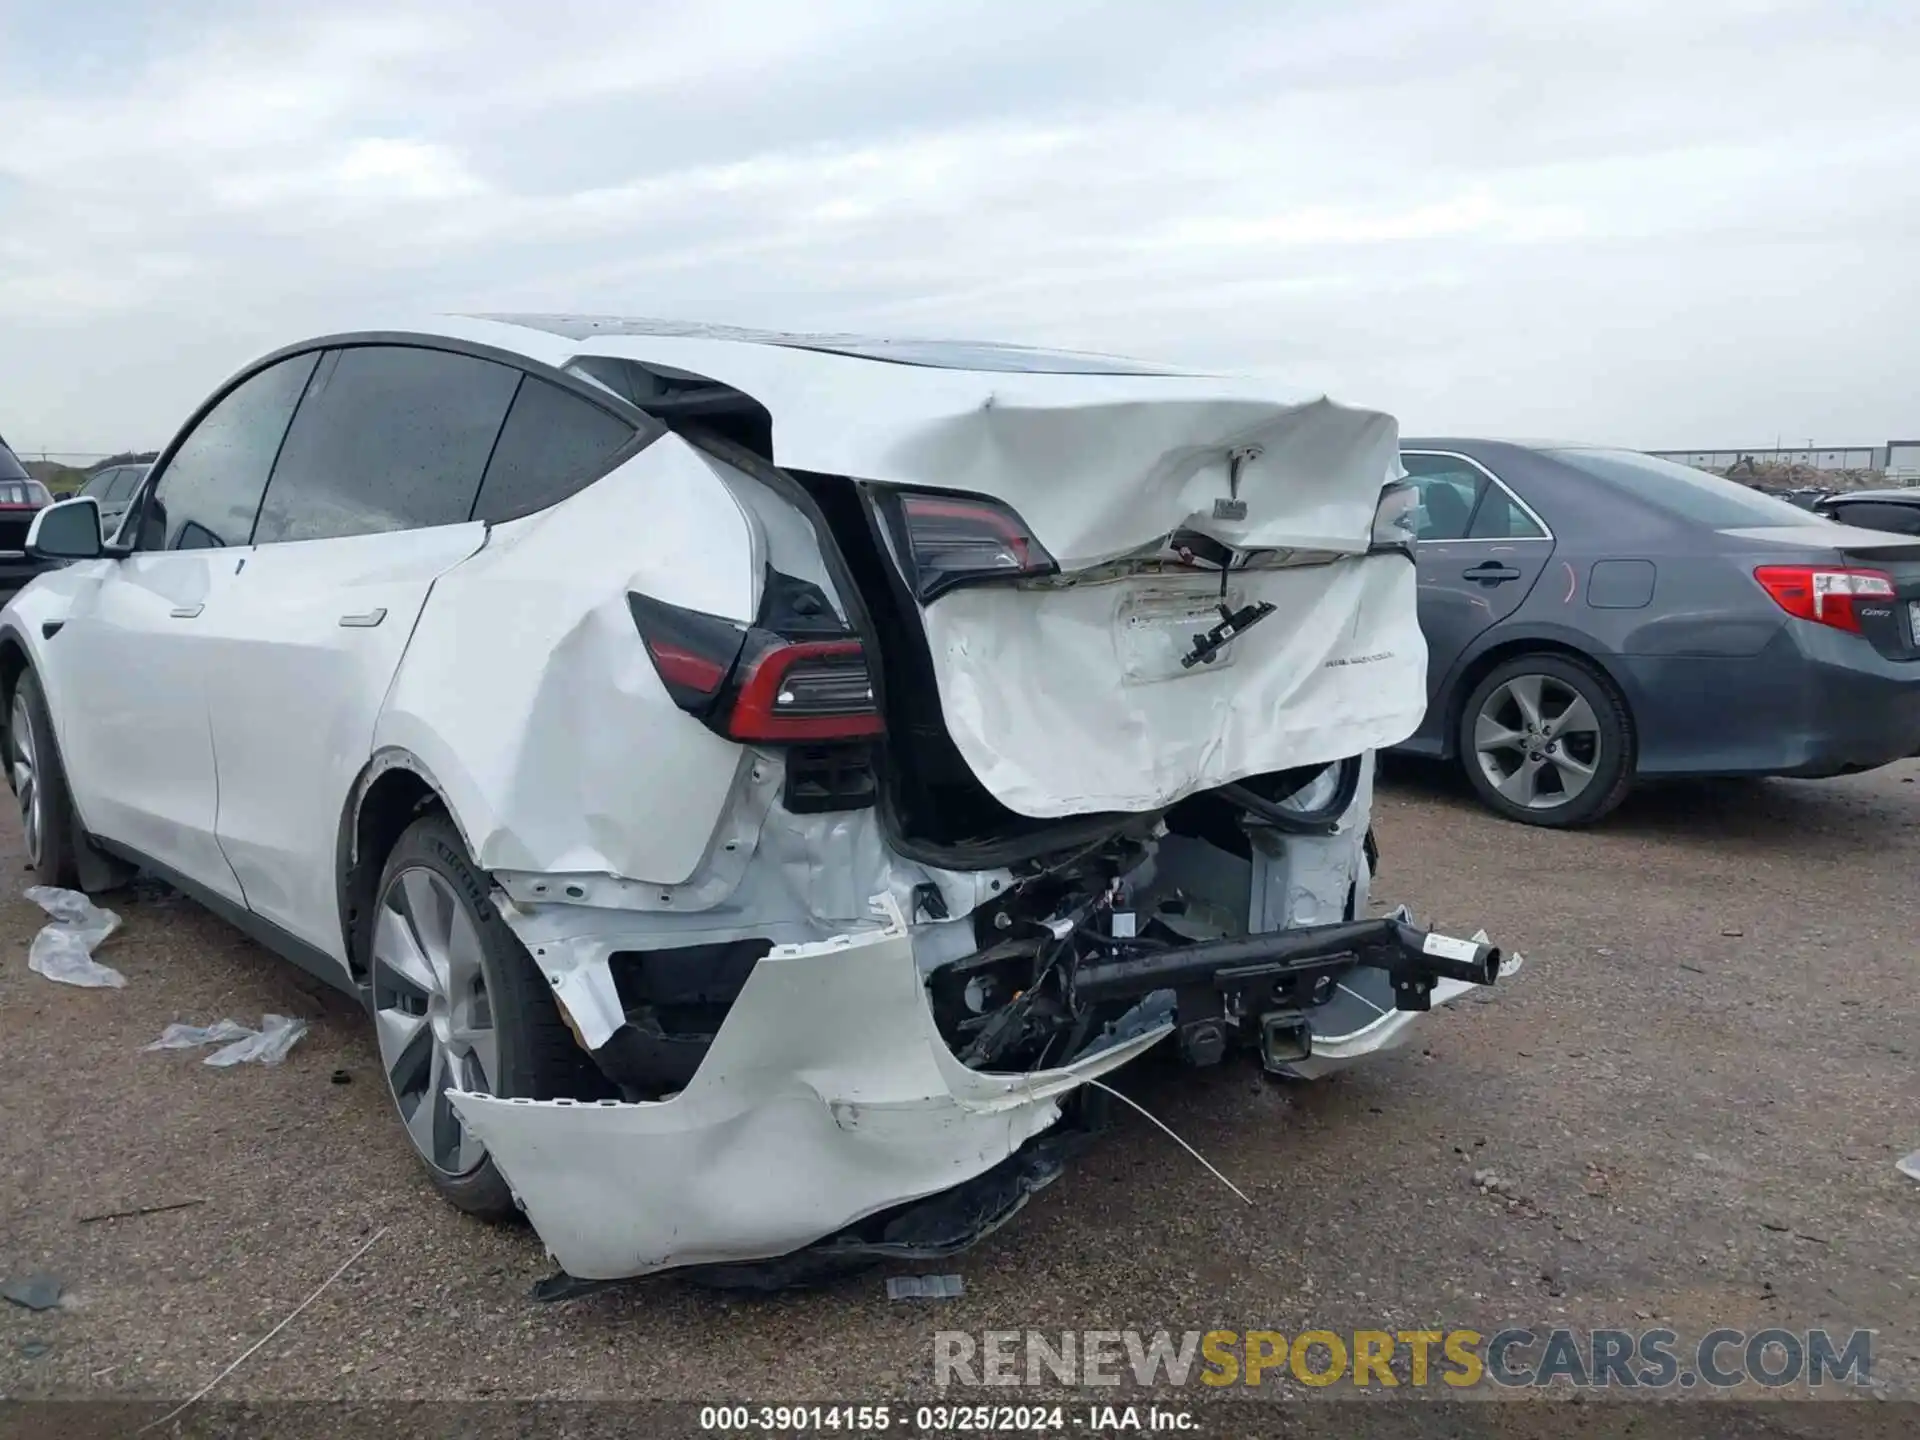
(1546, 531)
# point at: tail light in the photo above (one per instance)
(948, 540)
(1823, 595)
(815, 690)
(750, 684)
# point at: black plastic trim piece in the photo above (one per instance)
(315, 962)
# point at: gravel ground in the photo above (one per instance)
(1692, 1099)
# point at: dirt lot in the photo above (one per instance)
(1694, 1094)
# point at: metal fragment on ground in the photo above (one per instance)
(1910, 1167)
(36, 1292)
(925, 1287)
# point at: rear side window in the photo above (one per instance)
(99, 484)
(553, 444)
(389, 437)
(1448, 489)
(1681, 490)
(1501, 518)
(208, 493)
(123, 483)
(1878, 515)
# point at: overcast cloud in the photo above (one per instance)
(1663, 224)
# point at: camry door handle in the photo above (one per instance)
(186, 612)
(1492, 573)
(364, 621)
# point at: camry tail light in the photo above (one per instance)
(750, 684)
(948, 540)
(1824, 595)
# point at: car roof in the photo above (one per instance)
(920, 411)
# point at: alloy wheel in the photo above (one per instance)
(26, 775)
(1537, 741)
(432, 1014)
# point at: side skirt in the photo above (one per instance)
(315, 962)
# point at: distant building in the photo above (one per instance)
(1837, 457)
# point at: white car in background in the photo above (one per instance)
(753, 781)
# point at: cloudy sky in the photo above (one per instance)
(1677, 223)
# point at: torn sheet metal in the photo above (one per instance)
(827, 1078)
(1097, 462)
(1055, 699)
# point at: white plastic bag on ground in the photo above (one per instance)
(185, 1037)
(1909, 1167)
(63, 950)
(266, 1046)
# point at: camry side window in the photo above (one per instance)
(389, 437)
(1448, 490)
(553, 444)
(1501, 518)
(208, 493)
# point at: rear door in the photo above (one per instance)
(370, 500)
(1481, 549)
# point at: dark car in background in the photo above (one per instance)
(21, 498)
(114, 487)
(1897, 511)
(1595, 616)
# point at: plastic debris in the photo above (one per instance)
(266, 1046)
(925, 1287)
(1910, 1167)
(63, 950)
(36, 1292)
(186, 1037)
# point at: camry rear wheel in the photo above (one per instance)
(1547, 740)
(459, 1005)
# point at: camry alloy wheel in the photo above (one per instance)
(26, 775)
(432, 1014)
(1537, 741)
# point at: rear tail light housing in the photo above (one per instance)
(1824, 594)
(945, 540)
(753, 685)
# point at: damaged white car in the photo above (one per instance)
(753, 781)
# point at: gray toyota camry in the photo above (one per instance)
(1597, 616)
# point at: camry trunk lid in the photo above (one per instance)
(1867, 581)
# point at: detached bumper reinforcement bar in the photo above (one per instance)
(1414, 958)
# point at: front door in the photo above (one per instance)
(130, 664)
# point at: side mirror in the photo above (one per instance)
(67, 530)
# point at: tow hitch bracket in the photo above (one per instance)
(1263, 985)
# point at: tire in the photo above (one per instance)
(436, 947)
(49, 828)
(1576, 763)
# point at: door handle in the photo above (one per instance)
(1492, 572)
(364, 621)
(186, 612)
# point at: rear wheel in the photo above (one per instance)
(459, 1005)
(1547, 740)
(39, 784)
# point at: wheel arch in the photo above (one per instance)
(15, 661)
(393, 790)
(1478, 664)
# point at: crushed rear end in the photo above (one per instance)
(1057, 694)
